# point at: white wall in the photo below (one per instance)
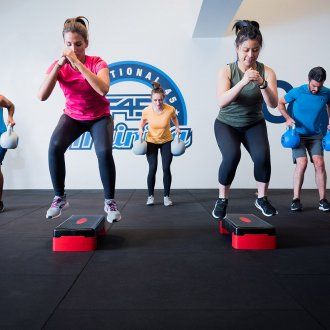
(158, 33)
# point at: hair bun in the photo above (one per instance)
(79, 19)
(156, 85)
(83, 20)
(241, 24)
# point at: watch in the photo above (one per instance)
(263, 85)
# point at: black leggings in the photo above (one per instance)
(66, 132)
(254, 139)
(152, 157)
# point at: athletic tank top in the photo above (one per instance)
(246, 109)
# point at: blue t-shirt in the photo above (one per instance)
(2, 122)
(308, 109)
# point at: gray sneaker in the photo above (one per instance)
(167, 201)
(59, 203)
(150, 200)
(113, 214)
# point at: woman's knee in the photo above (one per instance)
(56, 147)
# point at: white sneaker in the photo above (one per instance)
(110, 207)
(59, 203)
(150, 200)
(167, 201)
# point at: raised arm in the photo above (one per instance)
(270, 94)
(49, 83)
(100, 82)
(225, 94)
(5, 103)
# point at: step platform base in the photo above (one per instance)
(79, 233)
(248, 232)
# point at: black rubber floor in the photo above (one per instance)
(164, 267)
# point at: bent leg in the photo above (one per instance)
(229, 142)
(102, 134)
(257, 144)
(66, 132)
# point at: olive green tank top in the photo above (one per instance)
(246, 109)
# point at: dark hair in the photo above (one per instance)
(78, 25)
(247, 30)
(157, 88)
(318, 74)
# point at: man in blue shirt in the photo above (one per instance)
(4, 103)
(310, 107)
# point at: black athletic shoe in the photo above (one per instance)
(265, 207)
(296, 205)
(324, 205)
(220, 208)
(2, 208)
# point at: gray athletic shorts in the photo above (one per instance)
(311, 144)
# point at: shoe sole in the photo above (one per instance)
(296, 210)
(150, 204)
(215, 217)
(168, 205)
(265, 214)
(114, 220)
(62, 209)
(323, 209)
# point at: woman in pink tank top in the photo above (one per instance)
(85, 81)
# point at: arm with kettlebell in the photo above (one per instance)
(49, 82)
(5, 103)
(328, 110)
(282, 109)
(176, 124)
(143, 121)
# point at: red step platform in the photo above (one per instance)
(248, 232)
(79, 233)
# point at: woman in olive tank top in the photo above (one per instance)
(242, 88)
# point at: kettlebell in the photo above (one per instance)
(9, 139)
(177, 146)
(326, 141)
(140, 146)
(290, 139)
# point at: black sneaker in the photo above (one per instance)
(220, 208)
(265, 207)
(296, 205)
(324, 205)
(2, 208)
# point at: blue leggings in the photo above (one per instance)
(66, 132)
(255, 140)
(152, 157)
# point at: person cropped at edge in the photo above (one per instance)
(4, 103)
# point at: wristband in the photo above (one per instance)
(264, 85)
